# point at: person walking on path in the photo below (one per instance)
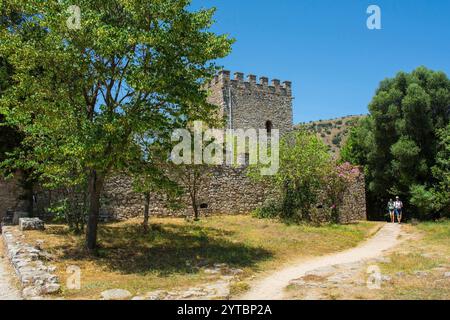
(391, 208)
(398, 209)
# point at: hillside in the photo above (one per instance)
(333, 132)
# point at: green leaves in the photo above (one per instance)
(400, 149)
(304, 166)
(81, 96)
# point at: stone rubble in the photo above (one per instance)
(116, 294)
(36, 278)
(215, 290)
(31, 224)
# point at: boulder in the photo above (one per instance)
(116, 294)
(31, 224)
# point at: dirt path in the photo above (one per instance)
(272, 287)
(8, 291)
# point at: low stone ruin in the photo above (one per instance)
(37, 278)
(31, 224)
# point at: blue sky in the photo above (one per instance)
(324, 47)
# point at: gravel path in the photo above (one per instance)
(272, 287)
(7, 289)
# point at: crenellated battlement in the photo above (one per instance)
(247, 101)
(224, 79)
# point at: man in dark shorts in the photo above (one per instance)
(398, 209)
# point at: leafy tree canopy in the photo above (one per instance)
(399, 142)
(82, 95)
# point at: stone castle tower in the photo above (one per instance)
(244, 104)
(249, 104)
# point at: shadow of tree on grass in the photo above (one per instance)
(165, 250)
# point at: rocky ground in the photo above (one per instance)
(210, 291)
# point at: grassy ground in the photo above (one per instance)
(417, 269)
(413, 271)
(174, 253)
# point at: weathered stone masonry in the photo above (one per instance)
(248, 104)
(244, 104)
(11, 194)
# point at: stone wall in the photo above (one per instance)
(354, 206)
(226, 190)
(244, 104)
(36, 278)
(10, 196)
(252, 104)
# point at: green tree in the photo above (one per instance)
(304, 166)
(359, 143)
(441, 172)
(398, 143)
(133, 66)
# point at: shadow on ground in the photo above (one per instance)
(165, 249)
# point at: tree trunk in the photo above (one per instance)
(195, 206)
(96, 181)
(146, 212)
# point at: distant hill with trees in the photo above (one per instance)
(333, 132)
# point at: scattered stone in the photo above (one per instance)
(211, 271)
(385, 278)
(235, 272)
(30, 292)
(220, 289)
(50, 288)
(400, 274)
(339, 277)
(322, 271)
(421, 274)
(447, 275)
(220, 265)
(116, 294)
(31, 224)
(156, 295)
(51, 269)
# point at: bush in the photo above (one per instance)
(307, 176)
(424, 200)
(337, 140)
(269, 211)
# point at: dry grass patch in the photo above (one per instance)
(174, 253)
